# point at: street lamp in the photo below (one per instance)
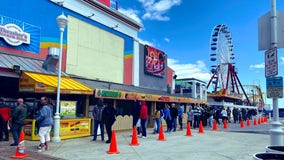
(62, 23)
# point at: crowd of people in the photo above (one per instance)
(173, 115)
(13, 118)
(104, 116)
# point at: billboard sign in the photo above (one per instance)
(154, 61)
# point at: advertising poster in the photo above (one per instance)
(75, 127)
(68, 109)
(154, 61)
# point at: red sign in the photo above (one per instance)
(154, 61)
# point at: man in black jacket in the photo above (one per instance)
(109, 113)
(18, 117)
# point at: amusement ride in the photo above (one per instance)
(224, 84)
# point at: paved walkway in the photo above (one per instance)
(234, 143)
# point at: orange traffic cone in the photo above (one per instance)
(225, 124)
(242, 125)
(21, 149)
(134, 140)
(248, 122)
(258, 121)
(188, 132)
(161, 134)
(215, 125)
(200, 127)
(254, 122)
(262, 120)
(113, 146)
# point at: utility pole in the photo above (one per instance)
(276, 132)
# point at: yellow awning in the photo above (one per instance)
(43, 83)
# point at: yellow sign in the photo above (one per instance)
(113, 94)
(69, 128)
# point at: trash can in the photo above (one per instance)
(275, 149)
(268, 156)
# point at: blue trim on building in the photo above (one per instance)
(43, 13)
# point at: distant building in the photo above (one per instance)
(191, 87)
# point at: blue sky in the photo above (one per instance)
(182, 29)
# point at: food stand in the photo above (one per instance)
(71, 125)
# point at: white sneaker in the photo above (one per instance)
(41, 150)
(144, 137)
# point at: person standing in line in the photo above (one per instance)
(97, 114)
(174, 114)
(168, 118)
(210, 116)
(196, 115)
(157, 119)
(136, 115)
(236, 114)
(44, 120)
(224, 115)
(190, 116)
(216, 115)
(144, 117)
(109, 114)
(180, 117)
(19, 114)
(244, 114)
(229, 114)
(5, 114)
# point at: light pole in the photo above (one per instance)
(276, 132)
(62, 23)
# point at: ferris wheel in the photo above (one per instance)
(221, 47)
(224, 80)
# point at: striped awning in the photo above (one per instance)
(44, 83)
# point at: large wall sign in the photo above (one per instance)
(154, 61)
(19, 35)
(14, 35)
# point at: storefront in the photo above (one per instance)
(124, 104)
(75, 98)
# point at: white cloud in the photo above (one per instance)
(167, 40)
(155, 10)
(257, 66)
(133, 14)
(281, 60)
(146, 42)
(197, 70)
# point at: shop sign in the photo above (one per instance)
(39, 87)
(164, 98)
(106, 93)
(101, 93)
(14, 35)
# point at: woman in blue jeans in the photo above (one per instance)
(143, 117)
